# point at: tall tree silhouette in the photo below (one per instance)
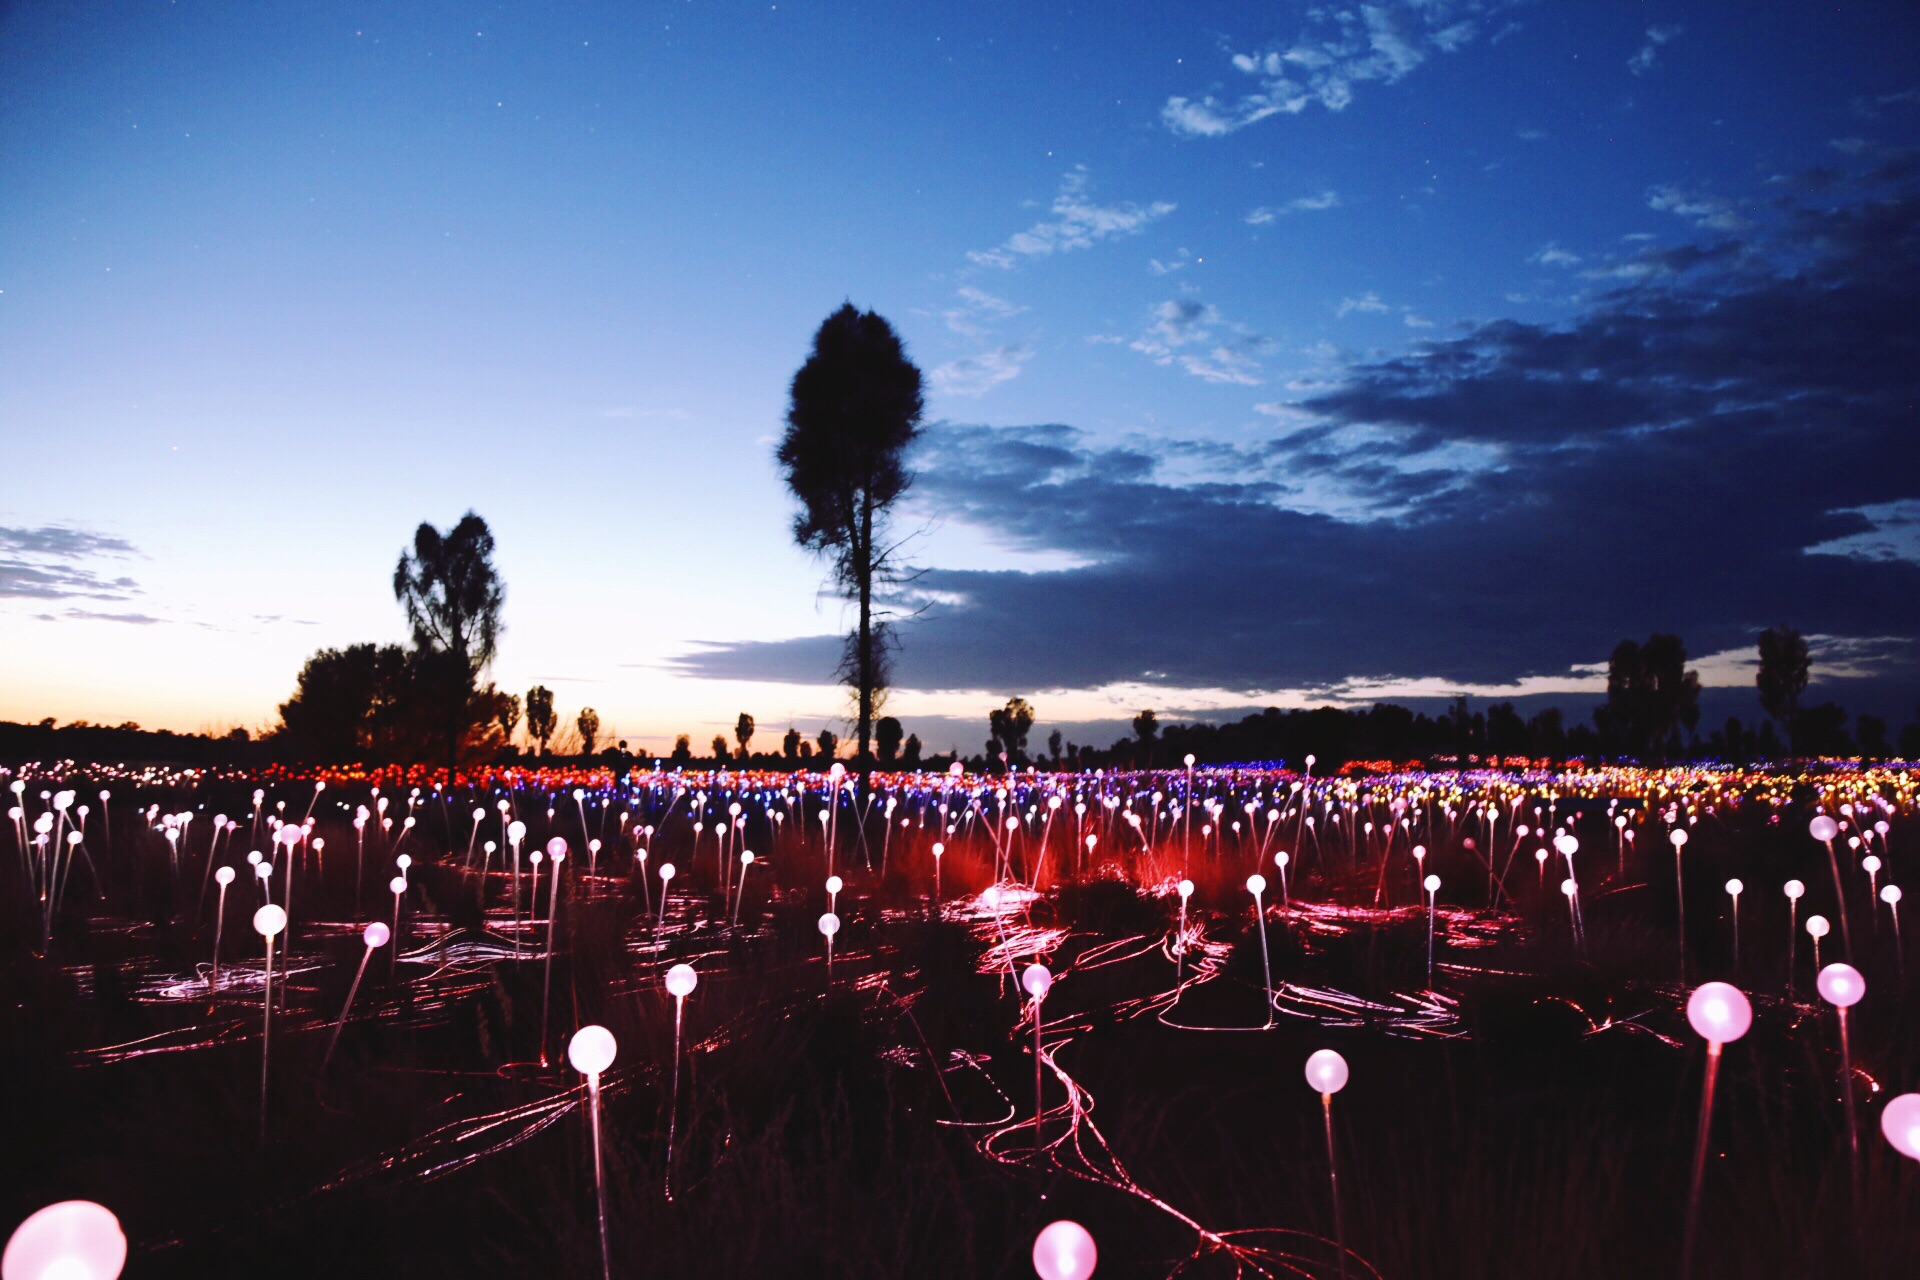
(541, 722)
(1782, 678)
(1650, 695)
(588, 724)
(743, 732)
(1145, 725)
(854, 407)
(1010, 725)
(452, 595)
(887, 734)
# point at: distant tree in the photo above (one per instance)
(1910, 741)
(791, 744)
(829, 743)
(854, 408)
(1009, 726)
(1053, 745)
(911, 756)
(1782, 677)
(1145, 726)
(806, 750)
(1650, 696)
(1823, 731)
(720, 746)
(743, 732)
(342, 700)
(1546, 737)
(1506, 732)
(452, 596)
(886, 735)
(1870, 732)
(588, 724)
(682, 749)
(541, 722)
(506, 710)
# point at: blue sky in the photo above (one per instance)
(278, 283)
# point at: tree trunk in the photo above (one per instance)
(865, 642)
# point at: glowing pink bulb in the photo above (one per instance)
(1063, 1251)
(1432, 883)
(1901, 1123)
(1719, 1012)
(591, 1050)
(72, 1240)
(1818, 926)
(1841, 985)
(1326, 1071)
(1794, 889)
(376, 935)
(681, 980)
(1037, 980)
(269, 920)
(223, 877)
(397, 886)
(1823, 828)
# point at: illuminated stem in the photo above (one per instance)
(1699, 1156)
(1266, 969)
(1333, 1184)
(1846, 1096)
(599, 1177)
(266, 1039)
(352, 989)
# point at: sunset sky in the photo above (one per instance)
(1275, 353)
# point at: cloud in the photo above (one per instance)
(1692, 454)
(1657, 37)
(1366, 302)
(48, 563)
(89, 615)
(978, 374)
(1703, 210)
(977, 312)
(1077, 223)
(1186, 323)
(1553, 255)
(1342, 45)
(1305, 204)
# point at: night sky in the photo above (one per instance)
(1275, 353)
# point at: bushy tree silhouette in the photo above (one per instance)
(1782, 678)
(854, 408)
(541, 722)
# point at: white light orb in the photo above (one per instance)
(666, 871)
(1901, 1123)
(1719, 1012)
(1818, 926)
(1326, 1071)
(397, 886)
(835, 884)
(1189, 759)
(1256, 884)
(1678, 837)
(1432, 883)
(591, 1050)
(72, 1240)
(1036, 979)
(1823, 828)
(1870, 864)
(1794, 890)
(1281, 859)
(1890, 895)
(681, 980)
(1186, 889)
(1064, 1251)
(269, 920)
(829, 924)
(376, 935)
(223, 877)
(557, 847)
(1569, 888)
(516, 831)
(1841, 985)
(404, 861)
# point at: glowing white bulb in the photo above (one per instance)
(72, 1240)
(1064, 1251)
(1841, 985)
(1326, 1071)
(1037, 979)
(376, 935)
(681, 980)
(1719, 1012)
(591, 1050)
(269, 920)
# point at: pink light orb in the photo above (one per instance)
(72, 1240)
(1901, 1123)
(1719, 1012)
(397, 886)
(1794, 889)
(1870, 864)
(1818, 926)
(681, 980)
(1841, 985)
(269, 920)
(1823, 828)
(1281, 859)
(557, 847)
(223, 877)
(591, 1050)
(376, 935)
(1064, 1251)
(1037, 980)
(1326, 1071)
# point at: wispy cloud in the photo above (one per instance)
(977, 311)
(1649, 54)
(1703, 210)
(1552, 255)
(978, 374)
(91, 615)
(1194, 337)
(1366, 302)
(1076, 223)
(1305, 204)
(1343, 45)
(50, 563)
